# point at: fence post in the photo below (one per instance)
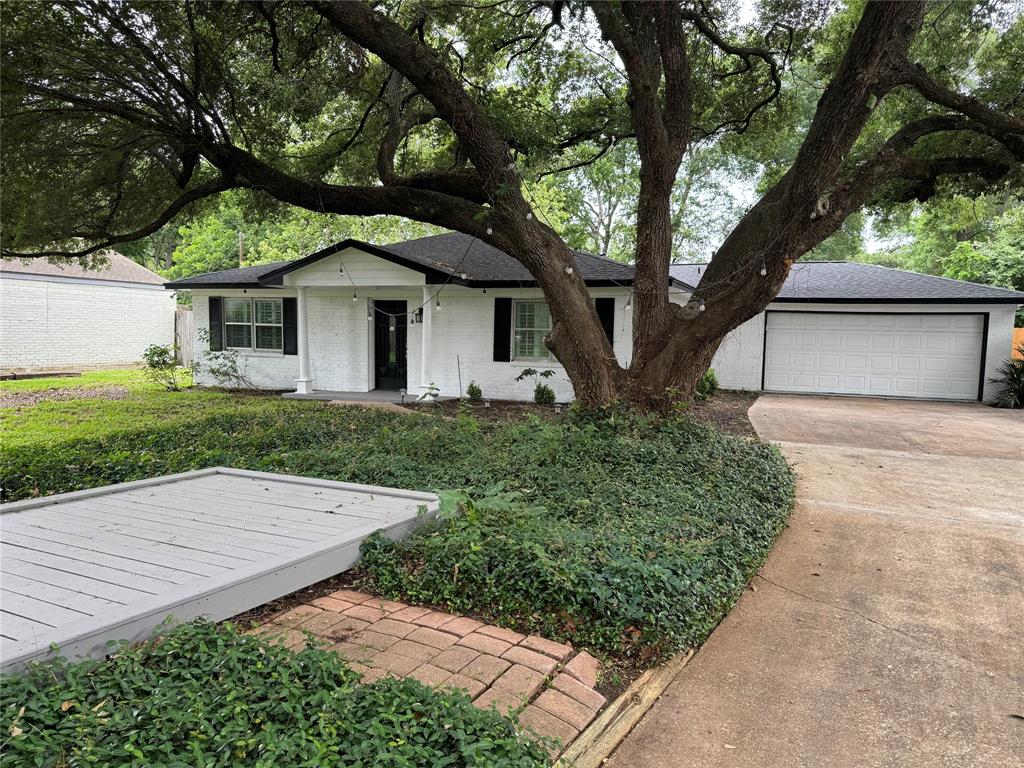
(183, 334)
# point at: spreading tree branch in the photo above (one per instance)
(210, 188)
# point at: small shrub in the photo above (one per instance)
(225, 366)
(707, 386)
(161, 366)
(208, 695)
(1011, 379)
(542, 393)
(473, 391)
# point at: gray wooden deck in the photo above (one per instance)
(82, 569)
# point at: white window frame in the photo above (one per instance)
(516, 330)
(253, 325)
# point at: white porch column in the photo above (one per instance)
(425, 336)
(302, 385)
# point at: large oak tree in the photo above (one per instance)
(117, 117)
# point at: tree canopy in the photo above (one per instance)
(120, 117)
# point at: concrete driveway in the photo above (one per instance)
(887, 626)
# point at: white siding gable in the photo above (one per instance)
(353, 266)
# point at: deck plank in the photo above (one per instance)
(349, 505)
(38, 610)
(312, 521)
(175, 557)
(82, 569)
(194, 547)
(193, 527)
(88, 569)
(77, 555)
(117, 591)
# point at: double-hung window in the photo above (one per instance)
(531, 322)
(254, 324)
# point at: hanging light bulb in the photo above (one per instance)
(529, 216)
(354, 297)
(391, 324)
(629, 302)
(490, 230)
(438, 305)
(701, 307)
(764, 270)
(568, 270)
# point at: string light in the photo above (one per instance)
(701, 307)
(529, 216)
(490, 230)
(764, 269)
(568, 270)
(438, 305)
(354, 297)
(629, 302)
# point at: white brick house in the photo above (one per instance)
(449, 310)
(64, 317)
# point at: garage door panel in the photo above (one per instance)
(900, 355)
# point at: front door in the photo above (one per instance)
(389, 332)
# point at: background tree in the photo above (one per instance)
(119, 117)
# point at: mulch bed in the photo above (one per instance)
(728, 412)
(33, 397)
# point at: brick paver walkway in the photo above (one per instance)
(548, 683)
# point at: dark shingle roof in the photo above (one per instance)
(440, 257)
(838, 281)
(118, 268)
(243, 277)
(459, 254)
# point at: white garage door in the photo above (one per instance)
(892, 355)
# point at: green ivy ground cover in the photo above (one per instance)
(629, 535)
(208, 696)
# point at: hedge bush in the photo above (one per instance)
(208, 696)
(629, 534)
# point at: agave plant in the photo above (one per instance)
(1011, 376)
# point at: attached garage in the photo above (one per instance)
(912, 355)
(842, 328)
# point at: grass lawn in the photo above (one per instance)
(632, 536)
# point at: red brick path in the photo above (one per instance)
(547, 683)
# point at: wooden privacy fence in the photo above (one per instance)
(1018, 342)
(183, 326)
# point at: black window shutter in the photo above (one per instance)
(216, 323)
(502, 330)
(605, 307)
(291, 326)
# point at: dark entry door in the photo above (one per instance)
(390, 324)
